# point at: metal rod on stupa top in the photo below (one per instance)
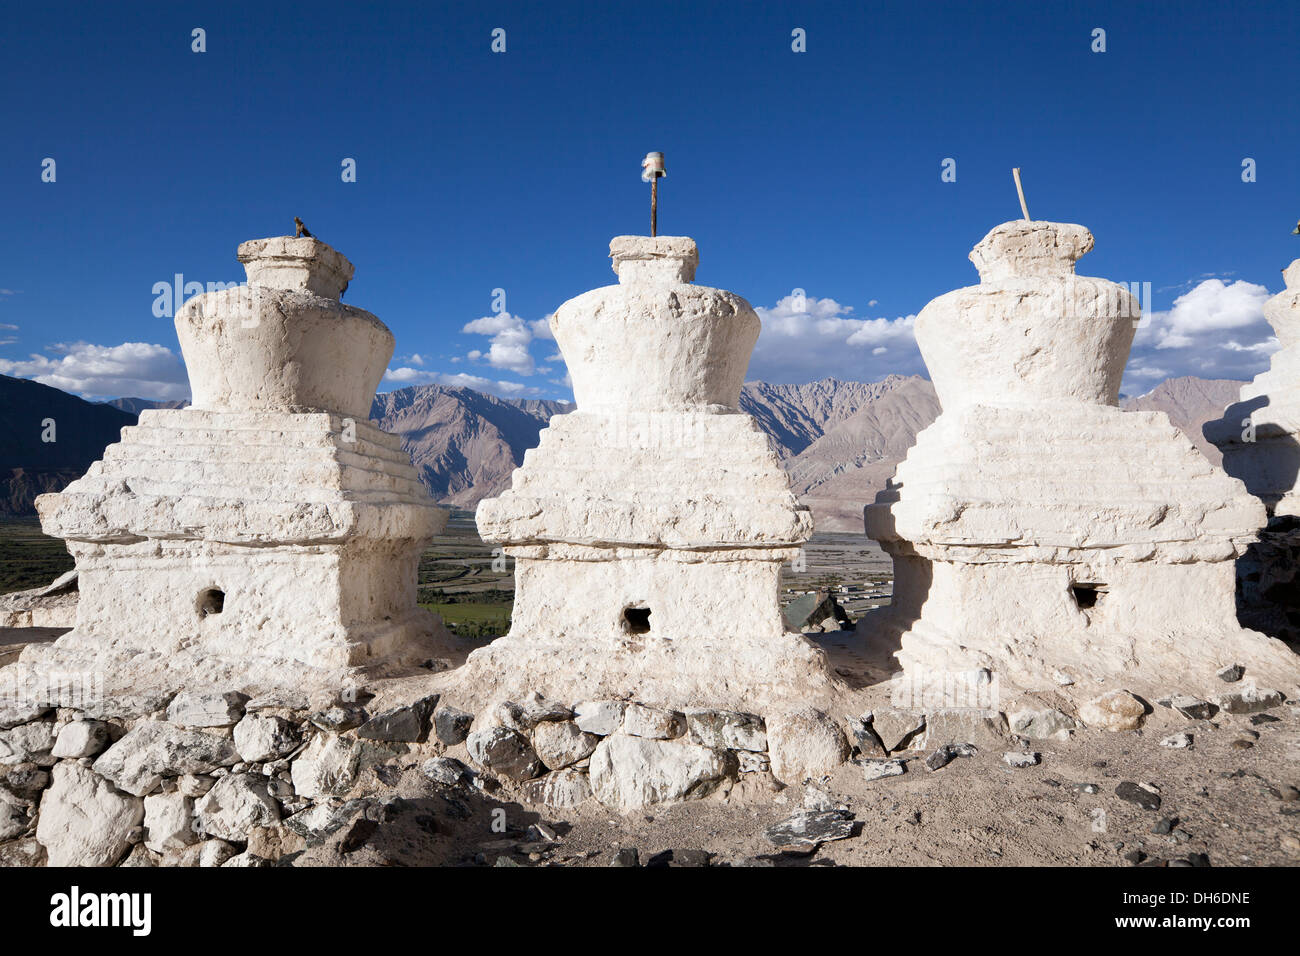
(652, 167)
(1020, 191)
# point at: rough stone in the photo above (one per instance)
(727, 730)
(878, 769)
(406, 724)
(599, 717)
(24, 779)
(447, 771)
(1041, 723)
(28, 743)
(15, 712)
(866, 739)
(151, 750)
(1178, 741)
(559, 743)
(534, 709)
(1231, 674)
(628, 773)
(505, 752)
(898, 729)
(804, 745)
(562, 789)
(26, 853)
(1117, 710)
(85, 820)
(324, 819)
(1143, 795)
(339, 718)
(81, 738)
(1017, 759)
(452, 726)
(1249, 701)
(328, 767)
(259, 738)
(1193, 708)
(751, 762)
(811, 828)
(963, 725)
(653, 722)
(238, 802)
(214, 853)
(169, 822)
(189, 709)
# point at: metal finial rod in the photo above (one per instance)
(652, 167)
(654, 206)
(1020, 191)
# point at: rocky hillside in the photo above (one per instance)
(464, 443)
(29, 465)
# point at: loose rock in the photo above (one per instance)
(561, 789)
(328, 767)
(727, 730)
(81, 738)
(651, 722)
(600, 717)
(632, 772)
(190, 709)
(407, 724)
(559, 743)
(85, 820)
(260, 738)
(805, 745)
(878, 769)
(811, 828)
(138, 762)
(1015, 759)
(238, 802)
(451, 725)
(505, 752)
(1115, 711)
(1144, 795)
(169, 822)
(1249, 701)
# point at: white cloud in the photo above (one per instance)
(1212, 307)
(810, 338)
(1214, 329)
(510, 336)
(132, 369)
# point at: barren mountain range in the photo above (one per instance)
(839, 441)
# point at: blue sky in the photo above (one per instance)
(817, 171)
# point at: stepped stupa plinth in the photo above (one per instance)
(648, 527)
(1038, 531)
(1259, 436)
(268, 535)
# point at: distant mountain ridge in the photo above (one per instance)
(839, 441)
(464, 444)
(30, 465)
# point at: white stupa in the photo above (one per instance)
(649, 526)
(1039, 532)
(1260, 439)
(268, 535)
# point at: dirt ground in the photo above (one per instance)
(1232, 803)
